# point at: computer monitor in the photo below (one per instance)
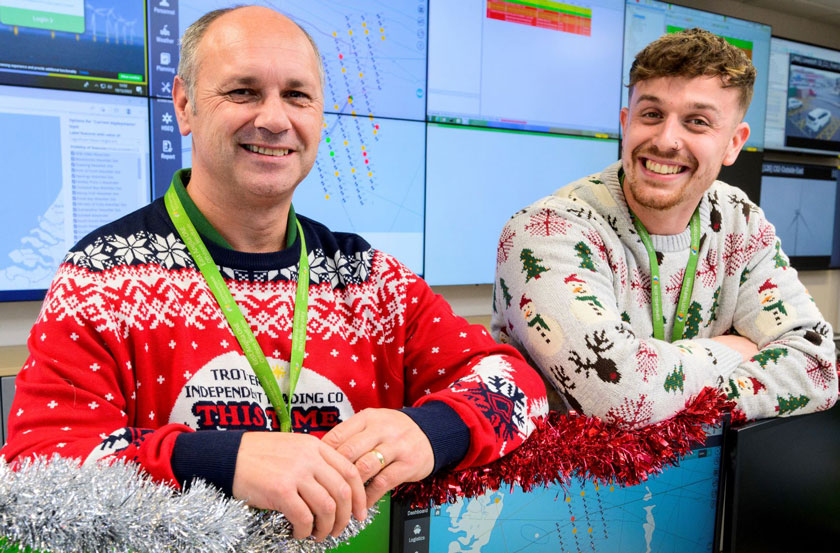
(71, 161)
(672, 512)
(802, 98)
(540, 65)
(369, 175)
(75, 45)
(647, 20)
(477, 178)
(783, 484)
(802, 203)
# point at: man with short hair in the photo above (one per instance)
(658, 279)
(167, 336)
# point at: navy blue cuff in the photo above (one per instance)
(448, 434)
(207, 454)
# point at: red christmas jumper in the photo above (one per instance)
(131, 356)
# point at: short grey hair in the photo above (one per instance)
(188, 63)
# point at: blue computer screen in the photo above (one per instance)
(647, 20)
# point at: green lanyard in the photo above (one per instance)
(234, 316)
(655, 285)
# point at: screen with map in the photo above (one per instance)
(800, 81)
(647, 20)
(72, 161)
(673, 512)
(802, 203)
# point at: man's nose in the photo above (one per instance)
(273, 115)
(669, 137)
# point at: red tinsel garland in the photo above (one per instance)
(563, 446)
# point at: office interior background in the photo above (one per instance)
(442, 118)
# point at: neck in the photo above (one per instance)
(252, 227)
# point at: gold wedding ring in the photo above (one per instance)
(380, 457)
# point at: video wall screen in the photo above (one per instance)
(647, 20)
(441, 119)
(802, 203)
(540, 65)
(71, 161)
(803, 98)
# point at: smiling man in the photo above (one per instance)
(656, 277)
(193, 335)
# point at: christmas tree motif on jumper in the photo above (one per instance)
(774, 312)
(779, 258)
(585, 306)
(505, 292)
(675, 380)
(745, 275)
(791, 403)
(531, 265)
(715, 305)
(543, 331)
(767, 355)
(585, 255)
(625, 317)
(692, 321)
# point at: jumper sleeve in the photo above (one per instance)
(561, 292)
(488, 385)
(795, 370)
(76, 394)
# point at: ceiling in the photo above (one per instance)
(822, 11)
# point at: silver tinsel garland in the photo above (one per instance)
(57, 506)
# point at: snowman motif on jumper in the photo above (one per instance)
(743, 386)
(774, 312)
(585, 306)
(543, 331)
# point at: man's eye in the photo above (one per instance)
(651, 115)
(240, 92)
(699, 122)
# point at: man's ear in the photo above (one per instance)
(183, 108)
(622, 117)
(739, 138)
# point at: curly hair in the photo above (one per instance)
(695, 53)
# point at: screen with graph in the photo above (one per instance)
(647, 20)
(803, 98)
(91, 45)
(802, 203)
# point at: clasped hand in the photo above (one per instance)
(318, 484)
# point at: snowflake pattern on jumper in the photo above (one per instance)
(608, 362)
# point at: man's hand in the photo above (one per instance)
(740, 344)
(301, 477)
(407, 455)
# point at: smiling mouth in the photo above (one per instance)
(276, 152)
(663, 168)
